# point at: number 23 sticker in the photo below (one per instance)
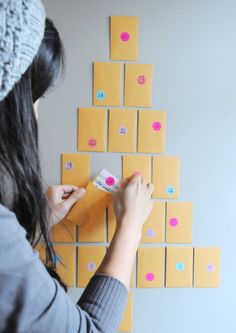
(141, 79)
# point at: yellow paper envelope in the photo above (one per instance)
(154, 228)
(207, 267)
(90, 208)
(92, 129)
(127, 321)
(75, 169)
(96, 234)
(122, 130)
(89, 259)
(151, 131)
(179, 267)
(65, 231)
(151, 267)
(111, 222)
(179, 222)
(65, 263)
(124, 38)
(138, 85)
(107, 83)
(165, 177)
(136, 164)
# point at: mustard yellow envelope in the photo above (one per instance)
(65, 231)
(138, 85)
(127, 321)
(75, 169)
(179, 222)
(179, 267)
(41, 250)
(151, 131)
(154, 228)
(92, 129)
(151, 267)
(65, 262)
(207, 267)
(96, 234)
(136, 164)
(165, 177)
(107, 82)
(89, 259)
(122, 130)
(124, 38)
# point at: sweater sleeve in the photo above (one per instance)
(32, 301)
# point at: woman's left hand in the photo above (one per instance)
(61, 198)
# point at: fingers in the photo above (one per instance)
(150, 189)
(74, 197)
(67, 188)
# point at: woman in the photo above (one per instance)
(31, 300)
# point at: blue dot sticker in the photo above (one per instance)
(57, 259)
(170, 190)
(180, 266)
(150, 233)
(101, 95)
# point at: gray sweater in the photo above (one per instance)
(31, 301)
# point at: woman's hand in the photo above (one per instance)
(61, 198)
(133, 203)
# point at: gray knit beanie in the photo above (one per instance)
(22, 24)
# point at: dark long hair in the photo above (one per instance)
(21, 188)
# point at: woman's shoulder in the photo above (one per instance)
(8, 221)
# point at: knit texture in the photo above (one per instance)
(22, 24)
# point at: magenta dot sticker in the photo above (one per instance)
(141, 79)
(156, 126)
(173, 222)
(69, 165)
(150, 277)
(150, 233)
(91, 266)
(210, 268)
(123, 130)
(137, 173)
(110, 181)
(92, 142)
(125, 36)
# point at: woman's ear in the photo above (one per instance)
(36, 109)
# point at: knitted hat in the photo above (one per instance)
(22, 24)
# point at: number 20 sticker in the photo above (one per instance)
(141, 79)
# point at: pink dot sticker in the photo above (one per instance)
(173, 222)
(125, 36)
(156, 126)
(141, 79)
(137, 173)
(110, 181)
(150, 277)
(92, 142)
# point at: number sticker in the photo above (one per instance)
(69, 165)
(101, 95)
(92, 142)
(156, 126)
(170, 189)
(180, 266)
(110, 181)
(173, 222)
(150, 233)
(150, 277)
(91, 266)
(141, 79)
(124, 36)
(210, 268)
(123, 130)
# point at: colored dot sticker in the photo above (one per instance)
(173, 222)
(92, 142)
(156, 126)
(180, 266)
(110, 181)
(91, 266)
(141, 79)
(210, 268)
(125, 36)
(57, 259)
(137, 173)
(123, 130)
(101, 95)
(69, 165)
(170, 189)
(150, 233)
(150, 277)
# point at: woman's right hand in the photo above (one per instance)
(132, 202)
